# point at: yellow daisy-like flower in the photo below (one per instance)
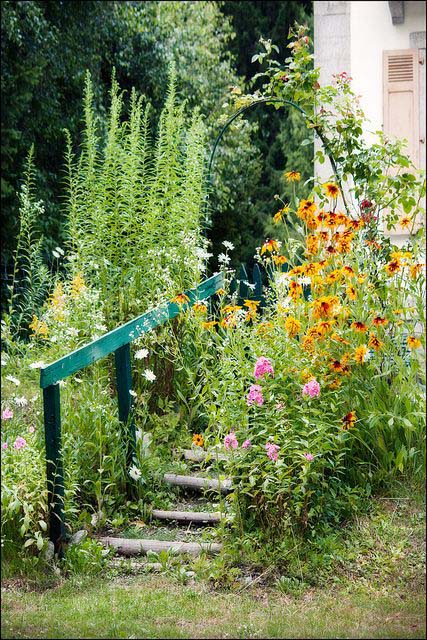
(393, 267)
(360, 353)
(220, 292)
(200, 307)
(292, 326)
(77, 285)
(374, 342)
(292, 176)
(413, 342)
(278, 217)
(181, 298)
(405, 222)
(209, 325)
(198, 440)
(279, 260)
(331, 189)
(349, 420)
(351, 292)
(415, 269)
(270, 246)
(251, 304)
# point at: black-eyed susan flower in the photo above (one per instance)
(292, 176)
(349, 420)
(198, 440)
(331, 189)
(413, 342)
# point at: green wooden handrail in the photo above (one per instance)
(118, 341)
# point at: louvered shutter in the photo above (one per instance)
(401, 102)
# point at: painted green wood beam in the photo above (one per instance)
(106, 344)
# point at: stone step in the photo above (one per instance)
(199, 455)
(187, 516)
(135, 546)
(198, 482)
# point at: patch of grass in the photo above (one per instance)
(150, 607)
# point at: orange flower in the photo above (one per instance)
(374, 342)
(324, 236)
(393, 266)
(331, 189)
(220, 292)
(348, 271)
(351, 292)
(334, 384)
(373, 243)
(270, 246)
(326, 306)
(209, 325)
(413, 343)
(359, 326)
(331, 220)
(415, 269)
(361, 278)
(279, 260)
(334, 276)
(307, 344)
(306, 210)
(198, 440)
(360, 353)
(292, 176)
(312, 244)
(200, 307)
(379, 322)
(349, 420)
(340, 367)
(295, 290)
(181, 298)
(292, 326)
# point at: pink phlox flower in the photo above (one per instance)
(280, 405)
(7, 414)
(230, 441)
(19, 443)
(255, 395)
(246, 444)
(272, 450)
(4, 445)
(309, 456)
(263, 366)
(31, 429)
(311, 388)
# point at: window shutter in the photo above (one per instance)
(401, 103)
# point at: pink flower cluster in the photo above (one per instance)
(311, 388)
(246, 444)
(263, 367)
(255, 395)
(7, 414)
(309, 456)
(272, 450)
(19, 443)
(230, 441)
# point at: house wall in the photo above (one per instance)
(372, 32)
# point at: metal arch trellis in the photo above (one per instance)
(316, 128)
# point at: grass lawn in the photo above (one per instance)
(374, 587)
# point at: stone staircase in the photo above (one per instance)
(206, 486)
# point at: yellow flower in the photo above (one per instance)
(278, 217)
(58, 298)
(312, 243)
(361, 278)
(39, 328)
(181, 298)
(292, 176)
(415, 269)
(360, 353)
(292, 326)
(405, 221)
(331, 189)
(270, 246)
(374, 342)
(200, 307)
(351, 292)
(279, 260)
(326, 306)
(413, 343)
(349, 420)
(198, 440)
(251, 304)
(220, 292)
(77, 285)
(393, 266)
(209, 325)
(359, 326)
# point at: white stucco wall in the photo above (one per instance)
(372, 32)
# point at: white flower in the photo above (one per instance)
(149, 375)
(141, 353)
(138, 434)
(132, 393)
(72, 331)
(14, 380)
(228, 245)
(202, 254)
(76, 379)
(135, 473)
(59, 250)
(37, 365)
(223, 258)
(21, 402)
(304, 280)
(101, 327)
(61, 383)
(34, 398)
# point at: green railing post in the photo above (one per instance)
(124, 386)
(54, 470)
